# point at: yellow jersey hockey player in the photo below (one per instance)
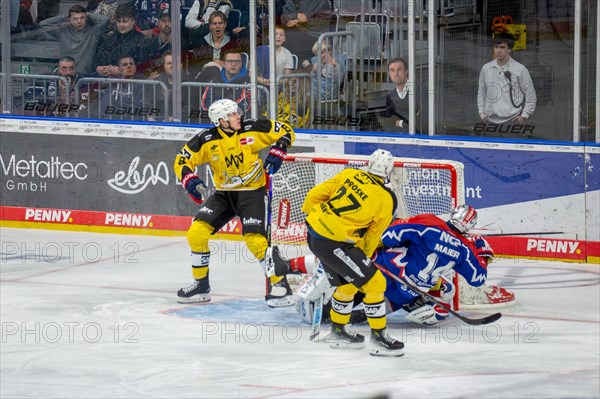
(231, 151)
(347, 215)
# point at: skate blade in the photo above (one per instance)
(194, 299)
(386, 352)
(344, 345)
(280, 302)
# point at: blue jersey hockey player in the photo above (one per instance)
(427, 250)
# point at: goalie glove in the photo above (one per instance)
(425, 312)
(195, 187)
(484, 250)
(276, 155)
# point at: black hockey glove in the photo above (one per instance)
(276, 155)
(195, 187)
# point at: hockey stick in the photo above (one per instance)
(473, 322)
(268, 217)
(269, 208)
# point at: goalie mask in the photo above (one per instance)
(381, 163)
(463, 218)
(221, 109)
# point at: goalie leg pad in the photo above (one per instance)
(307, 311)
(315, 286)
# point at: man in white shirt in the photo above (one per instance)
(506, 93)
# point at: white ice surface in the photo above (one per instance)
(94, 316)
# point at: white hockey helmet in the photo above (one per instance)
(381, 163)
(463, 218)
(220, 109)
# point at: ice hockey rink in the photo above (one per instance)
(89, 315)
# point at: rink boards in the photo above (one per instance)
(535, 199)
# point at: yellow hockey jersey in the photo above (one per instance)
(353, 206)
(232, 158)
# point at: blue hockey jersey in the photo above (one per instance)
(422, 249)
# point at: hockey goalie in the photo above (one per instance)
(424, 249)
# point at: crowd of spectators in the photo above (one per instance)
(112, 39)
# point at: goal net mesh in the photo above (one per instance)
(421, 186)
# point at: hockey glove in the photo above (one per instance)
(276, 155)
(195, 187)
(484, 250)
(422, 312)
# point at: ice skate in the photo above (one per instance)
(384, 345)
(341, 338)
(279, 294)
(198, 292)
(275, 264)
(281, 266)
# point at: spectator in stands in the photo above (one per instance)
(329, 77)
(306, 20)
(234, 72)
(284, 62)
(67, 70)
(162, 42)
(147, 13)
(77, 37)
(59, 97)
(108, 8)
(506, 93)
(396, 118)
(120, 41)
(133, 98)
(64, 94)
(214, 43)
(198, 18)
(166, 76)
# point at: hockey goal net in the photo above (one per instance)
(421, 186)
(431, 186)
